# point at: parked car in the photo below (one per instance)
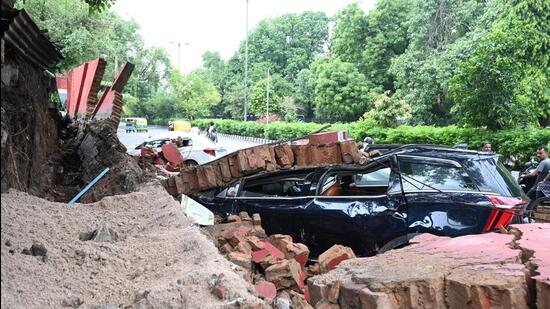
(195, 149)
(407, 190)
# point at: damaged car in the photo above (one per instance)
(381, 205)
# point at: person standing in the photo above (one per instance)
(541, 172)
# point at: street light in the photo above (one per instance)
(246, 68)
(179, 51)
(267, 92)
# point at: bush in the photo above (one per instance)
(519, 143)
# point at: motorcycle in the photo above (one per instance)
(527, 183)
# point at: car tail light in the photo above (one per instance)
(210, 151)
(503, 213)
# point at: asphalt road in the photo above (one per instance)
(134, 139)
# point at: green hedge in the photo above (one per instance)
(520, 143)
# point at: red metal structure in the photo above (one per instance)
(83, 84)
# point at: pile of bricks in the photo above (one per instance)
(542, 213)
(264, 158)
(275, 264)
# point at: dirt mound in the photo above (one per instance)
(476, 271)
(136, 249)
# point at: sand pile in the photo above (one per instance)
(128, 250)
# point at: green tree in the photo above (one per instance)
(341, 92)
(505, 82)
(195, 94)
(279, 90)
(388, 110)
(372, 40)
(441, 35)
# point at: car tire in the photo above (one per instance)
(191, 163)
(397, 243)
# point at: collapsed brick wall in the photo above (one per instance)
(29, 125)
(264, 158)
(88, 148)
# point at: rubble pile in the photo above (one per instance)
(275, 264)
(476, 271)
(265, 158)
(89, 147)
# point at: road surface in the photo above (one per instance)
(133, 139)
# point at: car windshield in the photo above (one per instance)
(492, 176)
(421, 176)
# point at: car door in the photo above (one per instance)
(280, 214)
(441, 197)
(362, 218)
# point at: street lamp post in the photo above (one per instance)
(179, 51)
(246, 68)
(267, 91)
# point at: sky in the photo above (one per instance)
(211, 25)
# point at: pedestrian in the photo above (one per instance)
(212, 132)
(541, 173)
(486, 146)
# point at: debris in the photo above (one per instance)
(91, 184)
(200, 214)
(266, 289)
(72, 302)
(334, 256)
(36, 249)
(104, 234)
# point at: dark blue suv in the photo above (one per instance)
(407, 190)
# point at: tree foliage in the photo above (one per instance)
(508, 72)
(341, 92)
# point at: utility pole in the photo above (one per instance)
(179, 56)
(246, 68)
(267, 91)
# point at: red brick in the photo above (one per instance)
(225, 169)
(327, 138)
(329, 259)
(266, 289)
(284, 156)
(239, 230)
(220, 291)
(211, 177)
(273, 250)
(333, 292)
(297, 273)
(326, 154)
(234, 166)
(226, 248)
(259, 255)
(241, 259)
(244, 247)
(302, 155)
(242, 161)
(255, 243)
(201, 178)
(281, 270)
(350, 152)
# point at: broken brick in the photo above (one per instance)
(243, 247)
(350, 152)
(273, 250)
(329, 259)
(333, 292)
(226, 248)
(256, 220)
(241, 259)
(297, 273)
(255, 243)
(240, 230)
(244, 216)
(233, 218)
(266, 289)
(278, 271)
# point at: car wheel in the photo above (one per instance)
(399, 242)
(191, 163)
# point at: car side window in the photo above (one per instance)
(423, 176)
(372, 182)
